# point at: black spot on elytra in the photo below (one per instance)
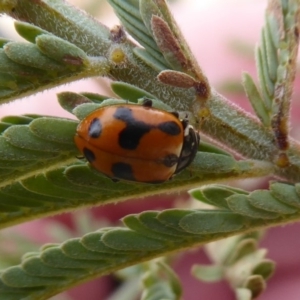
(95, 128)
(171, 128)
(155, 181)
(170, 160)
(129, 137)
(123, 171)
(89, 155)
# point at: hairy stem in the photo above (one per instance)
(221, 120)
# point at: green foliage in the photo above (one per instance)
(161, 283)
(149, 235)
(241, 262)
(146, 235)
(43, 174)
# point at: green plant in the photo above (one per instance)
(41, 174)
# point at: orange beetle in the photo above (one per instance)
(137, 142)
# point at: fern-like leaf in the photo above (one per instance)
(146, 236)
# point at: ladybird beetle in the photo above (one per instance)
(137, 142)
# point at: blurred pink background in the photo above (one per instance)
(212, 28)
